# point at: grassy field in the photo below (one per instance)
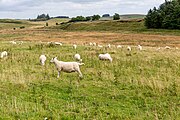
(141, 85)
(144, 85)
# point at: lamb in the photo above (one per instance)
(77, 57)
(74, 46)
(4, 54)
(105, 57)
(139, 47)
(67, 67)
(42, 59)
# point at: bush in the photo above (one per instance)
(95, 17)
(116, 16)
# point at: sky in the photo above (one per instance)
(25, 9)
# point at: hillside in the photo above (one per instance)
(123, 26)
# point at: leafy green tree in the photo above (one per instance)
(96, 17)
(167, 16)
(116, 16)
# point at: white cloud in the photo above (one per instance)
(31, 8)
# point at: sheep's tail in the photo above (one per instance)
(81, 64)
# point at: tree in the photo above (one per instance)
(95, 17)
(167, 16)
(116, 16)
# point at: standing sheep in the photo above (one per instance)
(42, 59)
(139, 47)
(74, 46)
(67, 67)
(129, 48)
(4, 54)
(105, 57)
(77, 57)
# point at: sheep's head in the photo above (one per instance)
(53, 59)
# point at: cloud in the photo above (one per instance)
(31, 8)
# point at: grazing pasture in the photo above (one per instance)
(137, 84)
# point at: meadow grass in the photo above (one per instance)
(115, 26)
(140, 85)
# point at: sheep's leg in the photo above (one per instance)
(80, 74)
(58, 74)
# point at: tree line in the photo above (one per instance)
(167, 16)
(92, 18)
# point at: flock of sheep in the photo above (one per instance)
(74, 66)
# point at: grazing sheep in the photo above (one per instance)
(13, 42)
(67, 66)
(91, 44)
(94, 43)
(58, 43)
(74, 46)
(105, 57)
(77, 57)
(100, 46)
(4, 54)
(119, 46)
(42, 59)
(109, 46)
(139, 47)
(167, 47)
(129, 48)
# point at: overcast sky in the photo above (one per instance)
(24, 9)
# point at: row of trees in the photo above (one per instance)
(167, 16)
(92, 18)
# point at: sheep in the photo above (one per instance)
(159, 48)
(67, 67)
(129, 48)
(119, 46)
(74, 46)
(4, 54)
(94, 43)
(167, 47)
(105, 57)
(109, 46)
(77, 57)
(91, 44)
(100, 46)
(13, 42)
(42, 59)
(58, 43)
(139, 47)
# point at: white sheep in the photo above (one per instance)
(100, 46)
(119, 46)
(129, 48)
(77, 57)
(42, 59)
(167, 47)
(58, 43)
(94, 44)
(13, 42)
(139, 47)
(105, 57)
(74, 46)
(91, 44)
(67, 67)
(109, 46)
(4, 54)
